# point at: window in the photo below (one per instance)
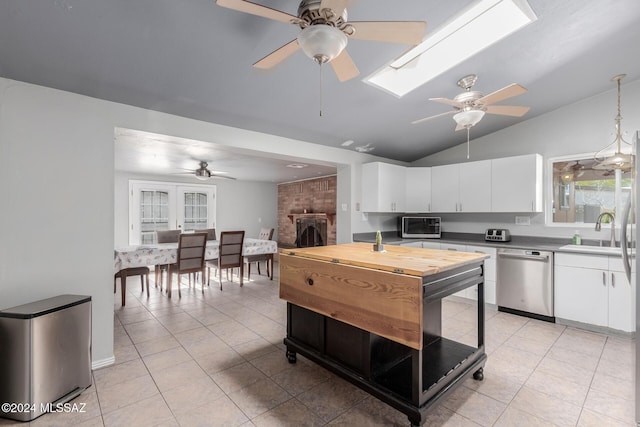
(582, 192)
(154, 214)
(168, 206)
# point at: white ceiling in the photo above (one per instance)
(193, 58)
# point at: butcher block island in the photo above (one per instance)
(375, 319)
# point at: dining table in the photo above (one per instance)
(130, 257)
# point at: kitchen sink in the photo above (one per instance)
(601, 250)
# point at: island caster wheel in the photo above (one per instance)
(479, 374)
(291, 356)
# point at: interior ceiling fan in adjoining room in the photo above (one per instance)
(325, 32)
(203, 172)
(470, 106)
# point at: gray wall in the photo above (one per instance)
(239, 204)
(584, 127)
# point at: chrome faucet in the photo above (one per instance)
(613, 226)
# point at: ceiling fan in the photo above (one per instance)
(203, 173)
(470, 106)
(325, 30)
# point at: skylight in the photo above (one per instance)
(471, 31)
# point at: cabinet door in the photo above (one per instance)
(445, 182)
(621, 302)
(418, 190)
(516, 184)
(489, 272)
(475, 186)
(581, 294)
(383, 187)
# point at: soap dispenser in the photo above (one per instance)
(577, 240)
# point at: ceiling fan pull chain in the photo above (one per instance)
(320, 63)
(468, 128)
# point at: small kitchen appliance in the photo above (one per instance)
(419, 227)
(497, 235)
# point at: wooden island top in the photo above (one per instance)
(397, 259)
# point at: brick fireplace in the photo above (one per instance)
(313, 202)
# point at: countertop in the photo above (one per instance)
(397, 259)
(517, 242)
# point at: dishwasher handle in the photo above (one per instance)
(531, 255)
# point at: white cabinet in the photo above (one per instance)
(489, 273)
(463, 187)
(593, 289)
(383, 187)
(475, 186)
(445, 181)
(516, 184)
(418, 189)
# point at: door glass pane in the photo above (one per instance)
(153, 215)
(195, 211)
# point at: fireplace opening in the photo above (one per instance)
(311, 232)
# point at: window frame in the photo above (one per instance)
(549, 196)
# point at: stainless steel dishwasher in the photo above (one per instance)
(524, 283)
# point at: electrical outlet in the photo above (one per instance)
(523, 220)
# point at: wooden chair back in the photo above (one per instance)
(211, 233)
(230, 249)
(191, 249)
(168, 236)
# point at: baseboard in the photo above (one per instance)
(97, 364)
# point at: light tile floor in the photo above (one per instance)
(218, 360)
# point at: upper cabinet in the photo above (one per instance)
(462, 187)
(383, 187)
(510, 184)
(516, 184)
(418, 190)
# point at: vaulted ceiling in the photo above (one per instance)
(194, 59)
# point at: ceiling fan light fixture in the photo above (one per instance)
(322, 42)
(468, 118)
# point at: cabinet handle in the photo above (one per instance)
(460, 206)
(604, 279)
(429, 208)
(613, 280)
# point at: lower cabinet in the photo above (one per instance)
(594, 289)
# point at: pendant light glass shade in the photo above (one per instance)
(322, 42)
(468, 118)
(618, 160)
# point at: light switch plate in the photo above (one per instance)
(345, 207)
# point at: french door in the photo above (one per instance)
(168, 206)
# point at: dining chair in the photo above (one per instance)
(164, 236)
(229, 255)
(126, 272)
(211, 233)
(190, 258)
(265, 234)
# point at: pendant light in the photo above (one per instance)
(617, 160)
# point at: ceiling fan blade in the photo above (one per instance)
(344, 67)
(415, 122)
(256, 9)
(405, 32)
(448, 102)
(502, 94)
(278, 55)
(507, 110)
(337, 6)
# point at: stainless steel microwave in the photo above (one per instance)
(419, 227)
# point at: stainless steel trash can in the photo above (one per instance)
(45, 355)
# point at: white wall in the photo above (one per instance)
(239, 205)
(57, 189)
(583, 127)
